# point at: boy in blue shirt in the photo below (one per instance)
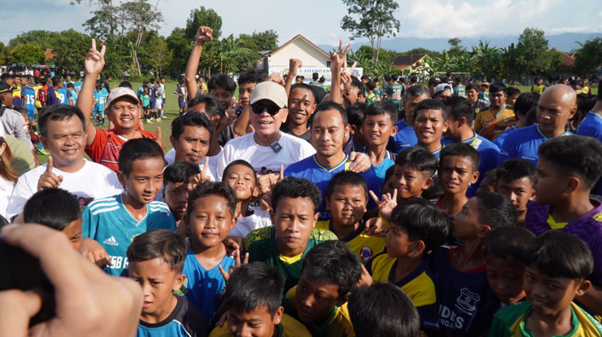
(28, 96)
(72, 94)
(63, 95)
(405, 136)
(156, 261)
(430, 123)
(209, 218)
(113, 222)
(99, 105)
(181, 93)
(378, 127)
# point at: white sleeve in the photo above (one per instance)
(22, 192)
(223, 161)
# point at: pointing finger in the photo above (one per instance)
(49, 165)
(374, 197)
(281, 173)
(94, 44)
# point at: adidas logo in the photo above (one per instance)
(111, 241)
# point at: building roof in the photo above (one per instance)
(568, 62)
(406, 61)
(304, 39)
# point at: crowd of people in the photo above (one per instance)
(393, 209)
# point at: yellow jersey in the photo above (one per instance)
(363, 245)
(486, 117)
(288, 327)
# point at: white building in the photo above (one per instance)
(300, 48)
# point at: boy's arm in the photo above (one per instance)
(337, 60)
(293, 68)
(203, 35)
(94, 63)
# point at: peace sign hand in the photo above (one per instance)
(95, 60)
(386, 205)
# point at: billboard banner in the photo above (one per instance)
(307, 73)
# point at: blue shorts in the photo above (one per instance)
(182, 105)
(99, 112)
(31, 114)
(153, 105)
(164, 101)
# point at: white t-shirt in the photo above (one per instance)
(170, 157)
(293, 150)
(6, 190)
(90, 182)
(258, 219)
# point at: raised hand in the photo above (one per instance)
(237, 264)
(276, 78)
(95, 60)
(293, 66)
(386, 205)
(339, 59)
(49, 179)
(203, 35)
(203, 176)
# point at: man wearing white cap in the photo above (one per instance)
(443, 92)
(123, 109)
(267, 148)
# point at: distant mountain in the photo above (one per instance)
(564, 42)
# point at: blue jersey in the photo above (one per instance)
(109, 223)
(381, 170)
(185, 320)
(499, 140)
(591, 126)
(73, 95)
(62, 94)
(100, 102)
(53, 97)
(105, 91)
(404, 138)
(310, 169)
(29, 96)
(140, 90)
(152, 93)
(78, 85)
(203, 287)
(489, 154)
(466, 302)
(523, 144)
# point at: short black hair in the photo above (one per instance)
(460, 107)
(431, 104)
(356, 113)
(52, 207)
(508, 242)
(333, 262)
(495, 210)
(159, 243)
(125, 84)
(578, 155)
(434, 191)
(136, 149)
(221, 81)
(56, 80)
(526, 102)
(70, 85)
(461, 150)
(417, 91)
(497, 87)
(255, 285)
(294, 188)
(252, 76)
(370, 85)
(212, 105)
(355, 82)
(383, 108)
(58, 112)
(383, 310)
(205, 189)
(515, 169)
(423, 221)
(347, 178)
(587, 104)
(179, 172)
(243, 163)
(473, 86)
(315, 76)
(512, 91)
(559, 254)
(328, 105)
(195, 119)
(305, 87)
(418, 158)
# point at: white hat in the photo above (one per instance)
(270, 91)
(120, 92)
(442, 87)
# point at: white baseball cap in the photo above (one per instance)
(120, 92)
(271, 91)
(442, 87)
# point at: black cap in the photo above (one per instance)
(5, 87)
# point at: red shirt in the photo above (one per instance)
(107, 145)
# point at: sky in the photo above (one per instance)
(319, 20)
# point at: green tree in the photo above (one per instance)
(589, 57)
(551, 62)
(181, 48)
(27, 54)
(267, 40)
(455, 47)
(70, 48)
(228, 54)
(203, 17)
(4, 54)
(531, 50)
(160, 55)
(485, 60)
(372, 19)
(42, 38)
(141, 17)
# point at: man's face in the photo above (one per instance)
(444, 95)
(472, 94)
(66, 140)
(347, 203)
(301, 106)
(293, 219)
(548, 182)
(68, 78)
(409, 182)
(124, 112)
(192, 145)
(315, 300)
(454, 129)
(429, 126)
(465, 224)
(409, 104)
(7, 99)
(162, 80)
(244, 93)
(242, 180)
(210, 221)
(144, 182)
(73, 231)
(328, 133)
(223, 96)
(265, 124)
(553, 112)
(497, 99)
(17, 81)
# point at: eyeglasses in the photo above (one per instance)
(272, 109)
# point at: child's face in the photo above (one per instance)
(378, 129)
(548, 183)
(158, 283)
(519, 191)
(455, 174)
(465, 224)
(223, 96)
(550, 295)
(488, 184)
(301, 106)
(73, 231)
(192, 145)
(210, 221)
(294, 219)
(257, 323)
(242, 179)
(398, 242)
(361, 98)
(145, 180)
(347, 204)
(506, 278)
(511, 100)
(176, 197)
(409, 182)
(315, 300)
(429, 126)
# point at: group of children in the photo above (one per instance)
(152, 99)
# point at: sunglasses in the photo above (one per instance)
(258, 109)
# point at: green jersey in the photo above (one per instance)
(394, 92)
(484, 96)
(370, 98)
(460, 91)
(379, 93)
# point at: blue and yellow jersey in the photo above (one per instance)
(524, 144)
(419, 285)
(591, 126)
(538, 88)
(489, 155)
(288, 327)
(108, 222)
(370, 98)
(261, 246)
(363, 245)
(310, 169)
(338, 323)
(17, 96)
(404, 138)
(511, 321)
(28, 95)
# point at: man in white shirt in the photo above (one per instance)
(63, 133)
